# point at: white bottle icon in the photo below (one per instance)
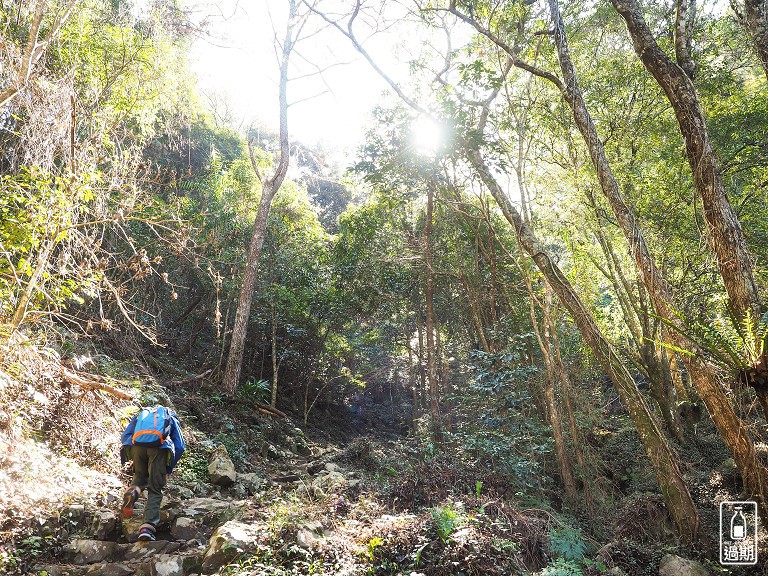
(738, 525)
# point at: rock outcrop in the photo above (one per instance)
(672, 565)
(221, 469)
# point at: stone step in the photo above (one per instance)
(107, 543)
(158, 564)
(82, 551)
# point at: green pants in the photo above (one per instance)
(149, 466)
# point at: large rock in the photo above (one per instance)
(221, 470)
(309, 533)
(251, 482)
(103, 525)
(89, 551)
(144, 550)
(326, 481)
(185, 528)
(110, 570)
(672, 565)
(167, 565)
(188, 519)
(229, 541)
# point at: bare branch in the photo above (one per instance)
(34, 50)
(348, 32)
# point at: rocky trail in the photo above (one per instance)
(259, 496)
(197, 535)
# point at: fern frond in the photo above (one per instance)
(693, 333)
(725, 339)
(717, 346)
(671, 347)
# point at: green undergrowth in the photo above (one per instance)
(402, 506)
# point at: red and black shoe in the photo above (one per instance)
(129, 499)
(147, 533)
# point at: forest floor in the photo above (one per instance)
(346, 494)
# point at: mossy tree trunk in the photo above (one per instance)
(663, 458)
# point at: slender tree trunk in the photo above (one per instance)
(275, 366)
(520, 174)
(684, 20)
(269, 188)
(420, 358)
(243, 310)
(543, 336)
(546, 337)
(662, 389)
(491, 254)
(561, 452)
(475, 313)
(445, 383)
(677, 378)
(414, 384)
(434, 389)
(34, 281)
(565, 385)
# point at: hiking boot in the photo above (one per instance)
(147, 533)
(129, 499)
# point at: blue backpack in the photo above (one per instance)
(153, 425)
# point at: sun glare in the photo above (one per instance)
(428, 136)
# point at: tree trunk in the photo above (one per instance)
(543, 336)
(664, 459)
(420, 358)
(275, 367)
(414, 383)
(569, 485)
(565, 385)
(34, 281)
(662, 389)
(445, 383)
(269, 188)
(684, 19)
(239, 330)
(434, 389)
(677, 378)
(756, 16)
(475, 313)
(723, 226)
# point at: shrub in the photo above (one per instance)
(562, 567)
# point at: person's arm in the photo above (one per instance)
(179, 445)
(126, 441)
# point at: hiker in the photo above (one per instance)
(154, 442)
